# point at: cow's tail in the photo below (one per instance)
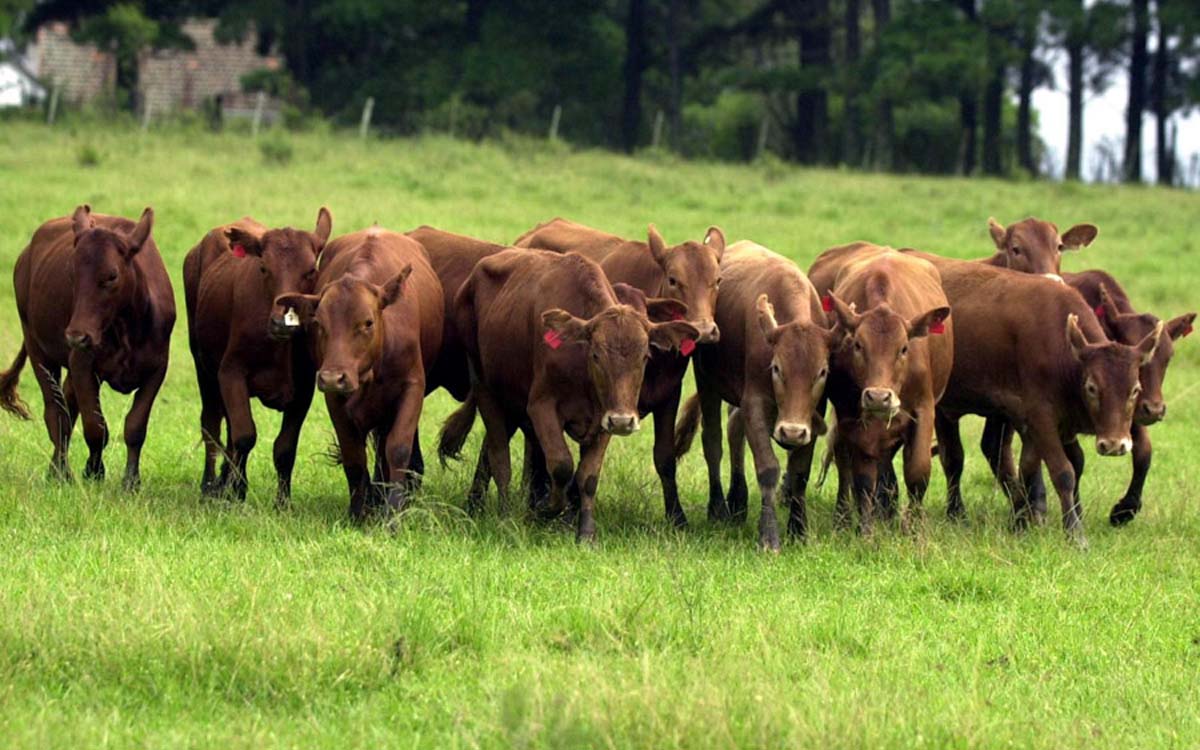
(455, 430)
(827, 459)
(10, 400)
(686, 427)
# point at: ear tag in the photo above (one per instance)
(827, 303)
(239, 251)
(1100, 312)
(552, 339)
(291, 319)
(686, 347)
(938, 327)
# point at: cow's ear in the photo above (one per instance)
(563, 328)
(998, 232)
(1108, 306)
(1075, 337)
(82, 219)
(1147, 346)
(630, 295)
(674, 335)
(393, 290)
(1080, 235)
(141, 232)
(715, 239)
(324, 228)
(242, 243)
(664, 310)
(933, 321)
(1179, 327)
(305, 305)
(658, 247)
(766, 318)
(845, 315)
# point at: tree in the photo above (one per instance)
(885, 126)
(1033, 73)
(851, 109)
(968, 105)
(635, 65)
(1138, 62)
(813, 27)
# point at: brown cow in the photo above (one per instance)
(1031, 350)
(689, 273)
(771, 362)
(553, 350)
(376, 330)
(94, 297)
(1035, 246)
(243, 343)
(888, 372)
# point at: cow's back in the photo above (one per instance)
(221, 291)
(1088, 284)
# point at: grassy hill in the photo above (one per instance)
(162, 619)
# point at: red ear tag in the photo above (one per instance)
(1100, 311)
(552, 339)
(686, 347)
(827, 303)
(239, 251)
(938, 327)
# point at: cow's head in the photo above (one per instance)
(287, 264)
(692, 275)
(1035, 246)
(105, 279)
(1131, 328)
(1110, 383)
(348, 328)
(618, 342)
(874, 350)
(799, 368)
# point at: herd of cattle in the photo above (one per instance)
(573, 331)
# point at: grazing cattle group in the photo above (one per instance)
(574, 332)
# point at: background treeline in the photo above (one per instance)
(940, 86)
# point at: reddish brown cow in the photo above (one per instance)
(552, 350)
(1030, 350)
(771, 362)
(243, 343)
(1035, 246)
(888, 371)
(376, 330)
(689, 273)
(94, 297)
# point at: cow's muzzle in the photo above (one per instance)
(1113, 446)
(880, 401)
(279, 330)
(620, 423)
(1148, 413)
(792, 434)
(709, 332)
(79, 341)
(337, 382)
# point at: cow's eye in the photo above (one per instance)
(821, 375)
(858, 347)
(672, 281)
(110, 279)
(369, 323)
(1137, 391)
(1016, 250)
(904, 350)
(1091, 388)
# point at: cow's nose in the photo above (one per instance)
(619, 423)
(80, 341)
(1152, 413)
(277, 328)
(792, 433)
(333, 381)
(878, 398)
(1113, 447)
(709, 332)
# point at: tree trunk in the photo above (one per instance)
(635, 64)
(1138, 61)
(473, 28)
(968, 110)
(885, 127)
(1160, 90)
(851, 110)
(675, 64)
(1075, 102)
(1025, 99)
(810, 128)
(993, 112)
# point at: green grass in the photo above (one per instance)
(164, 620)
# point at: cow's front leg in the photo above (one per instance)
(235, 393)
(399, 443)
(1129, 505)
(587, 478)
(795, 483)
(766, 467)
(664, 459)
(543, 416)
(86, 388)
(135, 427)
(352, 446)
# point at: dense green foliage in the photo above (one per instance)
(164, 620)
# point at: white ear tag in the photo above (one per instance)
(291, 319)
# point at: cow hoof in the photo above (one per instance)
(1123, 512)
(677, 520)
(396, 502)
(797, 531)
(769, 543)
(1078, 540)
(718, 509)
(768, 535)
(94, 472)
(131, 483)
(956, 514)
(59, 473)
(586, 534)
(214, 488)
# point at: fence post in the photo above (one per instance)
(365, 125)
(259, 102)
(658, 126)
(146, 114)
(554, 122)
(762, 138)
(453, 113)
(53, 106)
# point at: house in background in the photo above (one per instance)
(18, 86)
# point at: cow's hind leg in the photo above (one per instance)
(950, 450)
(738, 498)
(288, 439)
(212, 412)
(57, 414)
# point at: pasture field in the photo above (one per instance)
(161, 620)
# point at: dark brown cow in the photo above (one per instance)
(376, 330)
(1125, 325)
(94, 297)
(1035, 246)
(243, 343)
(771, 362)
(689, 273)
(888, 371)
(1031, 350)
(552, 350)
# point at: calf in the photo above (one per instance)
(689, 273)
(1035, 246)
(94, 297)
(553, 350)
(376, 330)
(771, 362)
(1032, 351)
(887, 372)
(245, 345)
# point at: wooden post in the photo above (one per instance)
(365, 125)
(146, 115)
(260, 101)
(50, 114)
(554, 122)
(453, 113)
(762, 138)
(658, 126)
